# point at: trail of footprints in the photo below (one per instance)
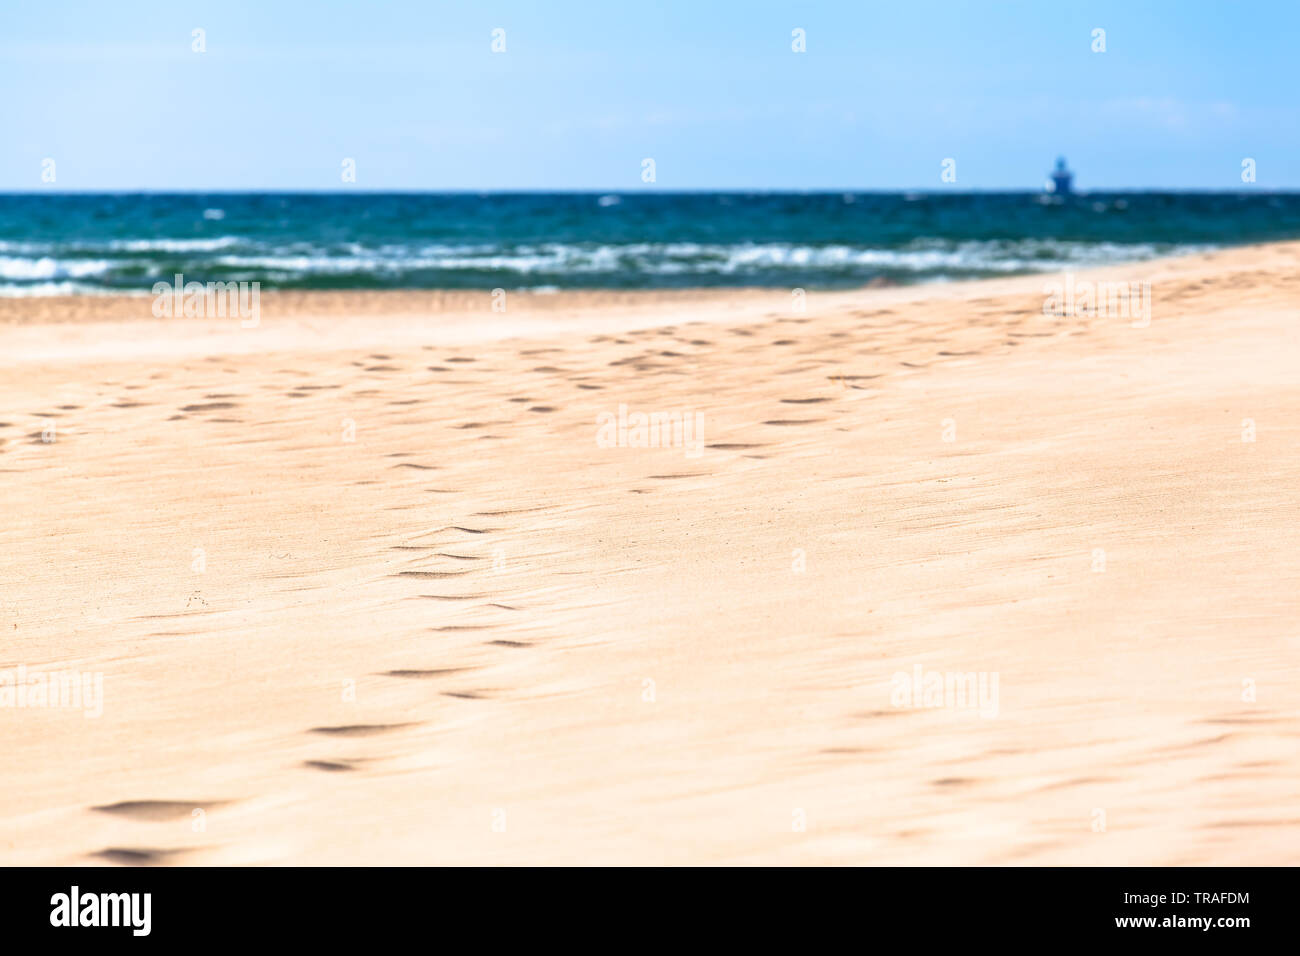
(171, 812)
(217, 406)
(440, 554)
(826, 360)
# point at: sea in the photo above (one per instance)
(63, 243)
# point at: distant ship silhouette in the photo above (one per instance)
(1062, 179)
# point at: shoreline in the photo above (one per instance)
(60, 328)
(297, 302)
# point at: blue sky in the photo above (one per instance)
(586, 90)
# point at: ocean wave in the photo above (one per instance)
(136, 263)
(628, 240)
(921, 256)
(173, 245)
(16, 267)
(110, 246)
(26, 290)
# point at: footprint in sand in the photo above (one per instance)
(154, 811)
(359, 730)
(137, 856)
(333, 766)
(425, 674)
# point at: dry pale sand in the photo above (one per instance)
(563, 653)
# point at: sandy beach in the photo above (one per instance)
(364, 585)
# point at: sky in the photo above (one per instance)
(711, 90)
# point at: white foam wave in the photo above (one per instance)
(17, 267)
(174, 245)
(546, 263)
(920, 257)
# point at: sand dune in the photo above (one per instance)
(364, 586)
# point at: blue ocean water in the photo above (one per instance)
(62, 243)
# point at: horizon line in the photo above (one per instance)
(597, 191)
